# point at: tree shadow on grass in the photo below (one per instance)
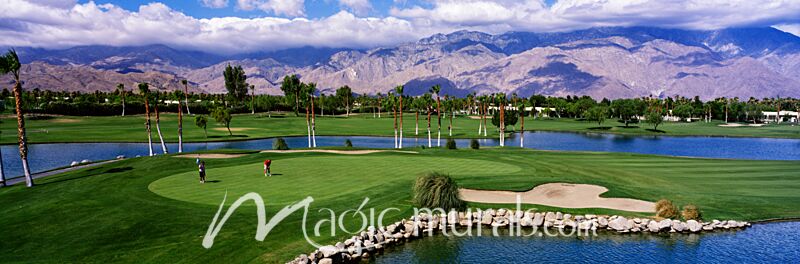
(600, 128)
(213, 181)
(656, 130)
(91, 172)
(628, 126)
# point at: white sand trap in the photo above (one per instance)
(563, 195)
(346, 152)
(740, 125)
(210, 156)
(233, 129)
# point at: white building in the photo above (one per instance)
(783, 116)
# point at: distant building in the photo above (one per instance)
(783, 116)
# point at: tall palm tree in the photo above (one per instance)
(158, 122)
(186, 95)
(436, 89)
(9, 63)
(480, 112)
(521, 109)
(415, 103)
(380, 99)
(500, 98)
(391, 101)
(312, 88)
(121, 91)
(144, 90)
(399, 91)
(180, 121)
(303, 97)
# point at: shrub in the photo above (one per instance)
(437, 190)
(473, 144)
(280, 144)
(451, 144)
(348, 143)
(665, 209)
(690, 212)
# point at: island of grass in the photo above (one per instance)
(68, 129)
(153, 209)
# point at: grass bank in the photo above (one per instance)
(154, 210)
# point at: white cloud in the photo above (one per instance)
(292, 8)
(215, 3)
(359, 7)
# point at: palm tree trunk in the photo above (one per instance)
(429, 127)
(401, 122)
(485, 128)
(394, 111)
(123, 104)
(308, 126)
(416, 127)
(522, 131)
(502, 126)
(480, 122)
(2, 172)
(158, 129)
(450, 126)
(147, 126)
(186, 98)
(22, 138)
(439, 117)
(180, 127)
(313, 124)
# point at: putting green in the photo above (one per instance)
(323, 177)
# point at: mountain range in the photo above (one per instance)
(612, 62)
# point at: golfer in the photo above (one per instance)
(202, 168)
(267, 173)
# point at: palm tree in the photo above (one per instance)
(521, 109)
(415, 103)
(436, 89)
(144, 90)
(157, 98)
(399, 91)
(252, 99)
(121, 91)
(380, 98)
(180, 121)
(186, 95)
(312, 88)
(500, 98)
(9, 63)
(304, 95)
(391, 101)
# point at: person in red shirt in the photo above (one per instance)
(266, 168)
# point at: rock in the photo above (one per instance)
(452, 217)
(339, 245)
(550, 216)
(501, 212)
(302, 259)
(567, 216)
(619, 224)
(664, 224)
(74, 163)
(678, 226)
(637, 220)
(694, 226)
(486, 219)
(526, 221)
(559, 216)
(591, 216)
(708, 228)
(490, 212)
(579, 218)
(653, 227)
(538, 219)
(602, 221)
(328, 251)
(325, 261)
(585, 225)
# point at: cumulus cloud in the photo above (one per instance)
(59, 24)
(292, 8)
(358, 7)
(215, 3)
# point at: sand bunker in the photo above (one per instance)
(346, 152)
(210, 156)
(560, 195)
(233, 129)
(65, 121)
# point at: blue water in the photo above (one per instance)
(44, 157)
(762, 243)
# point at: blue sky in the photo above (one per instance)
(234, 26)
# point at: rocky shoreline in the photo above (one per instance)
(374, 240)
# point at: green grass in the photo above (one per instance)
(246, 126)
(154, 210)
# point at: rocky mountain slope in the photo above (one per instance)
(601, 62)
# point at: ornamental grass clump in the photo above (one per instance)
(691, 212)
(348, 144)
(665, 209)
(451, 144)
(437, 190)
(473, 144)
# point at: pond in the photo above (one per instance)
(44, 157)
(761, 243)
